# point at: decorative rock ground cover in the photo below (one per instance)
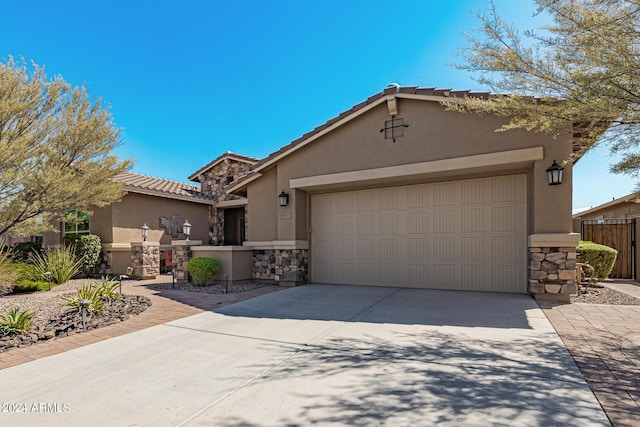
(54, 319)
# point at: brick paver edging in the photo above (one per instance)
(601, 340)
(167, 305)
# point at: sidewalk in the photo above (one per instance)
(604, 341)
(167, 305)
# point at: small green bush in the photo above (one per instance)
(15, 320)
(28, 279)
(61, 262)
(202, 269)
(600, 257)
(22, 251)
(87, 248)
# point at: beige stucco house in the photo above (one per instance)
(399, 191)
(162, 204)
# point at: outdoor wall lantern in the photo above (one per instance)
(284, 198)
(186, 230)
(145, 232)
(554, 173)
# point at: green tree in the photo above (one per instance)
(578, 75)
(55, 149)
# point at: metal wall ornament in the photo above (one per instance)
(394, 128)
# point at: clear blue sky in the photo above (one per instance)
(188, 80)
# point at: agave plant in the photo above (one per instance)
(87, 299)
(15, 320)
(107, 288)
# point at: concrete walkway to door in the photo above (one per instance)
(323, 355)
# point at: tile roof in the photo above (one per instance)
(406, 91)
(137, 183)
(389, 90)
(228, 154)
(629, 198)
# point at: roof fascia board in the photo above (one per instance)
(625, 199)
(164, 195)
(233, 188)
(430, 167)
(326, 131)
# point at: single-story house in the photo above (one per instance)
(614, 224)
(400, 191)
(161, 204)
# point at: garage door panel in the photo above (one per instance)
(507, 218)
(453, 235)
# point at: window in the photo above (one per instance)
(76, 222)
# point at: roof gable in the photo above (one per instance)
(228, 155)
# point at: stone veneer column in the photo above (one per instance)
(552, 265)
(287, 267)
(181, 254)
(145, 259)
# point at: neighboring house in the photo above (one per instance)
(162, 204)
(399, 191)
(614, 224)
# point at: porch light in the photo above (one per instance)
(554, 173)
(145, 232)
(284, 198)
(186, 230)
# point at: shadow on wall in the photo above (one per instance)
(391, 305)
(428, 378)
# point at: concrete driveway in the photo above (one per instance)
(317, 354)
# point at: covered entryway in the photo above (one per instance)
(464, 235)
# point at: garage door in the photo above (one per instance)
(466, 235)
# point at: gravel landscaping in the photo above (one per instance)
(597, 295)
(212, 289)
(53, 318)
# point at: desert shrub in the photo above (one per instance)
(61, 262)
(22, 251)
(202, 269)
(8, 274)
(87, 248)
(28, 279)
(107, 289)
(94, 294)
(15, 320)
(600, 257)
(88, 298)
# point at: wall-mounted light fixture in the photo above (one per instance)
(145, 232)
(554, 173)
(186, 229)
(284, 198)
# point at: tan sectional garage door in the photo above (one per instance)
(467, 235)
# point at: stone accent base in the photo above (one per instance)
(287, 267)
(552, 272)
(145, 260)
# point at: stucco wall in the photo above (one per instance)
(263, 209)
(137, 209)
(433, 134)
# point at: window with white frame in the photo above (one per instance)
(76, 222)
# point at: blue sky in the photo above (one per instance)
(189, 80)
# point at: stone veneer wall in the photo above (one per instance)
(552, 271)
(180, 257)
(213, 181)
(216, 226)
(145, 260)
(105, 263)
(281, 265)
